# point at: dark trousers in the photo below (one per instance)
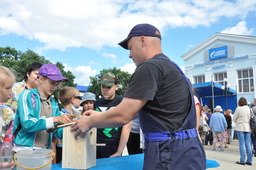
(133, 144)
(208, 138)
(58, 154)
(106, 151)
(253, 136)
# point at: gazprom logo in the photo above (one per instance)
(220, 52)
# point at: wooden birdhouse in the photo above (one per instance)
(78, 153)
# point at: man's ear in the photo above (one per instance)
(40, 79)
(143, 41)
(71, 100)
(116, 86)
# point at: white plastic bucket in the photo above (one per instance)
(40, 159)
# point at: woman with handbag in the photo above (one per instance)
(242, 119)
(203, 126)
(229, 123)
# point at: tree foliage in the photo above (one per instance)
(19, 61)
(123, 79)
(69, 75)
(9, 53)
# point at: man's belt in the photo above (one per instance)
(161, 136)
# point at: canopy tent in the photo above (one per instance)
(82, 88)
(213, 94)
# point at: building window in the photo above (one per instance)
(245, 80)
(219, 77)
(199, 79)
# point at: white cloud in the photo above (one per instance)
(60, 24)
(112, 56)
(82, 74)
(240, 28)
(129, 67)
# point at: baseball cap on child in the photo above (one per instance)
(218, 109)
(141, 30)
(108, 79)
(52, 72)
(88, 96)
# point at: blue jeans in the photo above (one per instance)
(244, 139)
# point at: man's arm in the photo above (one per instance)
(123, 139)
(197, 115)
(115, 117)
(198, 110)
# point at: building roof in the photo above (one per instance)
(219, 36)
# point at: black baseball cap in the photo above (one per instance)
(141, 30)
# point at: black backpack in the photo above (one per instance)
(253, 123)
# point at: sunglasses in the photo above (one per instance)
(78, 97)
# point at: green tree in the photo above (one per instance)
(19, 61)
(69, 75)
(123, 79)
(9, 53)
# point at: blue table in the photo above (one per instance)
(131, 162)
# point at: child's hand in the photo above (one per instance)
(89, 112)
(117, 154)
(63, 119)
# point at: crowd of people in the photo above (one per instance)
(28, 110)
(159, 113)
(220, 127)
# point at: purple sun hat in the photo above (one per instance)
(52, 72)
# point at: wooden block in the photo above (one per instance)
(78, 153)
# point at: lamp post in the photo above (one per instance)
(213, 104)
(226, 88)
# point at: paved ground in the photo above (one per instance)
(228, 158)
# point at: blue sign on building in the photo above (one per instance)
(220, 52)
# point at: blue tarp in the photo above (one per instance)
(210, 92)
(131, 162)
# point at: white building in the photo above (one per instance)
(227, 59)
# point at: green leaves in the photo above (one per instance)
(19, 61)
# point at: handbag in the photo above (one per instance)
(253, 123)
(226, 134)
(210, 136)
(205, 128)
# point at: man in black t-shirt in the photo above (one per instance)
(161, 94)
(115, 138)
